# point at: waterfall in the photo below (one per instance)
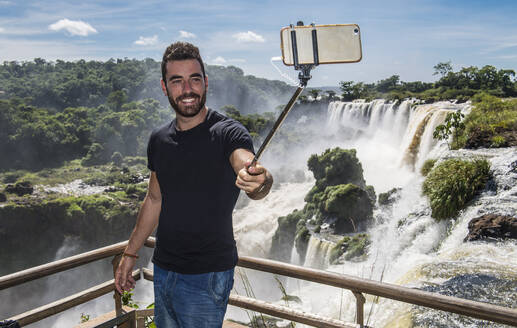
(318, 253)
(407, 247)
(407, 127)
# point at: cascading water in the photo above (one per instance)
(318, 253)
(408, 247)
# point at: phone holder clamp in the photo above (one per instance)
(305, 69)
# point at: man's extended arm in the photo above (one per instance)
(145, 224)
(256, 181)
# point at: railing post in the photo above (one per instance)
(116, 294)
(140, 320)
(359, 303)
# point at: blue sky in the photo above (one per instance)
(399, 37)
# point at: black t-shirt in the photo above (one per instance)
(197, 182)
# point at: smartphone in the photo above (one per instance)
(339, 43)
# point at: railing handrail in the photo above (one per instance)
(66, 303)
(47, 269)
(437, 301)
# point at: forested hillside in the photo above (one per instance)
(58, 85)
(51, 112)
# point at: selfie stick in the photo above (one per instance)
(304, 76)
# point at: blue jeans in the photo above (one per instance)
(190, 300)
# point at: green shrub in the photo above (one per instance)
(283, 239)
(453, 183)
(498, 141)
(301, 240)
(386, 198)
(11, 177)
(117, 158)
(427, 166)
(490, 117)
(135, 160)
(352, 247)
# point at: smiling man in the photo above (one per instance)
(198, 163)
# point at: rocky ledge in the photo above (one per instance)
(492, 226)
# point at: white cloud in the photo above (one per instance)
(219, 61)
(248, 37)
(187, 35)
(149, 41)
(5, 3)
(2, 29)
(507, 57)
(73, 27)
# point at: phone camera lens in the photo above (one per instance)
(356, 30)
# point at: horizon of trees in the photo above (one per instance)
(461, 85)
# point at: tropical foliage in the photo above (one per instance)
(491, 123)
(461, 85)
(451, 184)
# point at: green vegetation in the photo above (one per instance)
(284, 236)
(348, 203)
(427, 167)
(44, 223)
(352, 246)
(388, 197)
(127, 299)
(333, 167)
(453, 123)
(59, 85)
(491, 123)
(85, 317)
(35, 138)
(301, 240)
(100, 112)
(453, 183)
(132, 171)
(461, 85)
(340, 192)
(339, 197)
(256, 124)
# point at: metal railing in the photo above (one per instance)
(134, 318)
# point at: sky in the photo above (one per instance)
(406, 38)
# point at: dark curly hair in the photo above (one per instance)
(181, 51)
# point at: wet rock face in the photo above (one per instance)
(492, 226)
(477, 287)
(389, 197)
(20, 188)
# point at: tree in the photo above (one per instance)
(116, 99)
(443, 68)
(330, 95)
(453, 122)
(314, 93)
(389, 84)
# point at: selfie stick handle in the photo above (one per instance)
(278, 122)
(304, 76)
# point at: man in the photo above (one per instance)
(198, 163)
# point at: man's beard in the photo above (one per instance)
(188, 110)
